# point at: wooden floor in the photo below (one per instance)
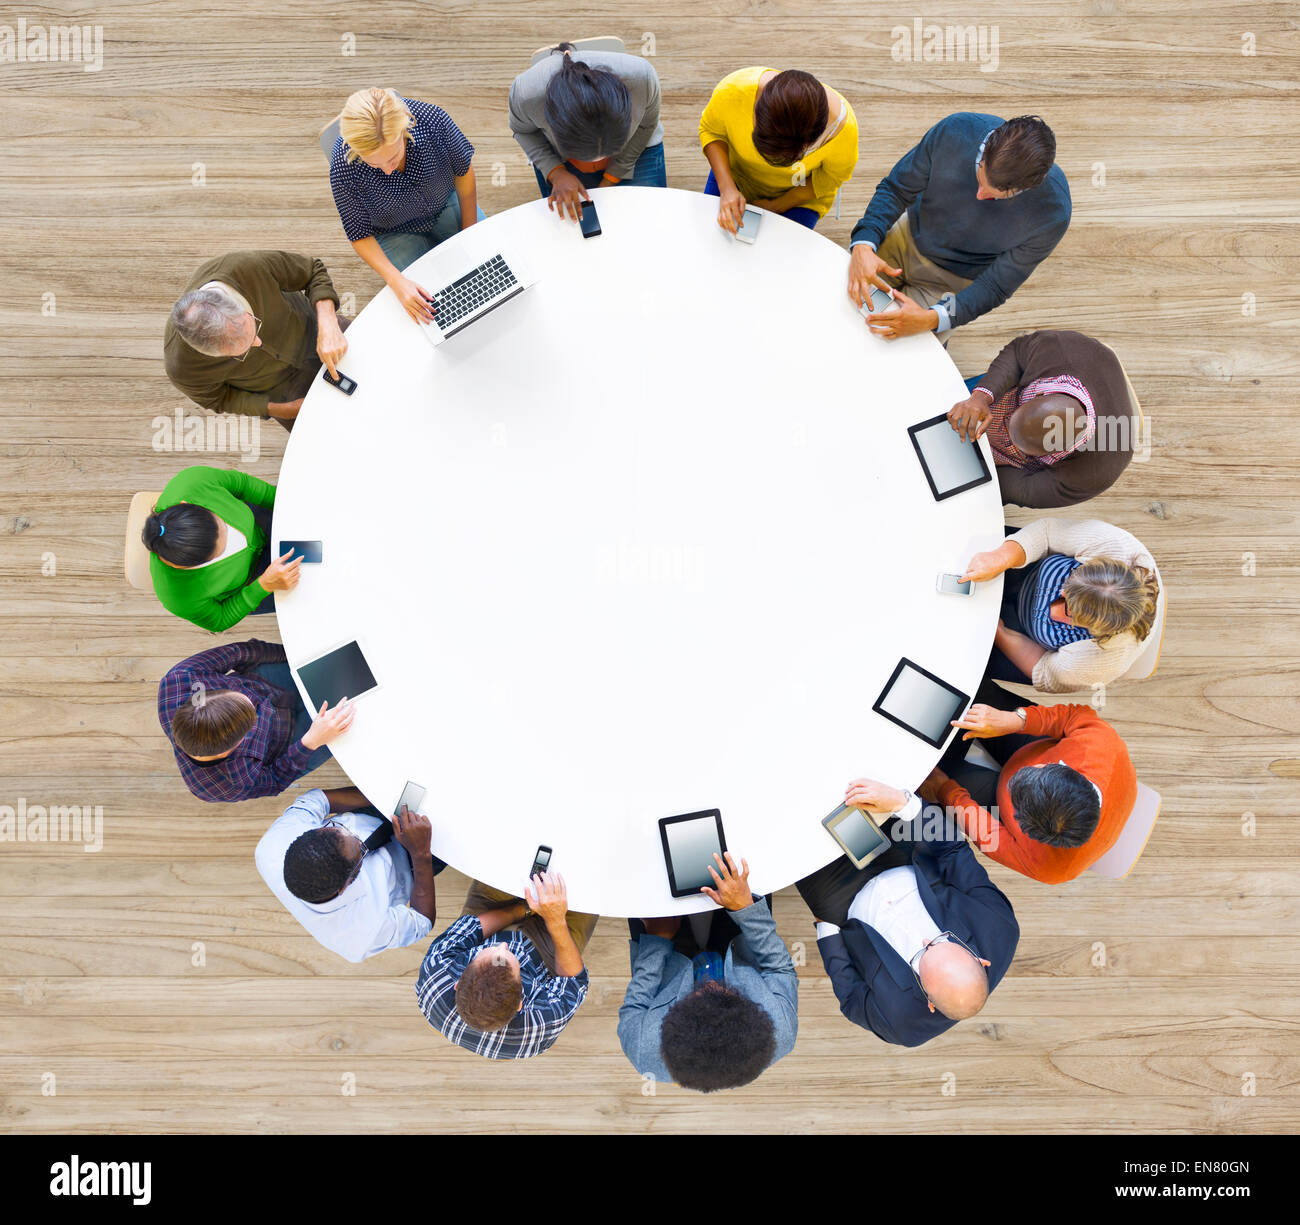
(1166, 1002)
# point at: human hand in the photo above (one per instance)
(547, 896)
(731, 208)
(415, 299)
(982, 722)
(732, 886)
(414, 831)
(866, 269)
(567, 193)
(282, 574)
(331, 345)
(329, 725)
(905, 319)
(970, 417)
(871, 796)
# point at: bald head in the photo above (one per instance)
(1048, 424)
(955, 982)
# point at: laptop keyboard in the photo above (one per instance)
(490, 280)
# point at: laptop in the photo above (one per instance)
(474, 294)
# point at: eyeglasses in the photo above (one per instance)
(915, 964)
(979, 161)
(257, 332)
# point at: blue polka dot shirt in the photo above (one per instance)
(370, 201)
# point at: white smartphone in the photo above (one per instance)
(749, 223)
(411, 799)
(879, 302)
(951, 584)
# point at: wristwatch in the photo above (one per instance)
(1023, 713)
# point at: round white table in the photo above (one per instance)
(647, 539)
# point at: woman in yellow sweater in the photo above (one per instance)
(782, 141)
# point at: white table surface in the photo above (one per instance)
(647, 539)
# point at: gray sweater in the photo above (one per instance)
(528, 109)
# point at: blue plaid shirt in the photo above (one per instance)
(549, 1000)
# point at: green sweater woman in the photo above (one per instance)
(210, 537)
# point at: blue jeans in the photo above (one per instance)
(649, 171)
(405, 248)
(804, 216)
(281, 675)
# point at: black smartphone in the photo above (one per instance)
(590, 222)
(540, 861)
(307, 551)
(346, 385)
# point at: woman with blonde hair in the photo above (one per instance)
(1077, 608)
(402, 182)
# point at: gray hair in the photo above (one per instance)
(204, 317)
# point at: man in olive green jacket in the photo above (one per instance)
(250, 332)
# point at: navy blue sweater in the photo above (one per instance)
(995, 244)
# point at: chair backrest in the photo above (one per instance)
(607, 42)
(1132, 840)
(1144, 663)
(328, 135)
(137, 556)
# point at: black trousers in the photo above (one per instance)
(829, 892)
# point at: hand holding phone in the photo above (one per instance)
(952, 584)
(750, 220)
(346, 385)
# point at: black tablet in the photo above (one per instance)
(919, 701)
(690, 842)
(341, 673)
(950, 465)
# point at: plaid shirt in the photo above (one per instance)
(264, 762)
(549, 1000)
(1005, 452)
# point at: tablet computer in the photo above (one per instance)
(690, 842)
(922, 703)
(950, 465)
(858, 834)
(338, 674)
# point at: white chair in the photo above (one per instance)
(1133, 838)
(605, 42)
(328, 135)
(137, 556)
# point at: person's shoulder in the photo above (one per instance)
(965, 125)
(741, 82)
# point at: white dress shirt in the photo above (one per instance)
(373, 913)
(891, 903)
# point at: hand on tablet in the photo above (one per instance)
(871, 796)
(970, 417)
(732, 886)
(414, 831)
(329, 725)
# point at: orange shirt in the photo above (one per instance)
(1077, 736)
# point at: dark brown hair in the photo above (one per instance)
(1019, 153)
(213, 724)
(488, 994)
(790, 113)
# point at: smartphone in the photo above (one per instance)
(346, 385)
(541, 861)
(412, 798)
(951, 584)
(749, 223)
(307, 551)
(590, 222)
(879, 302)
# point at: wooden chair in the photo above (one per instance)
(137, 556)
(1119, 860)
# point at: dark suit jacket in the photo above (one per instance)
(874, 985)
